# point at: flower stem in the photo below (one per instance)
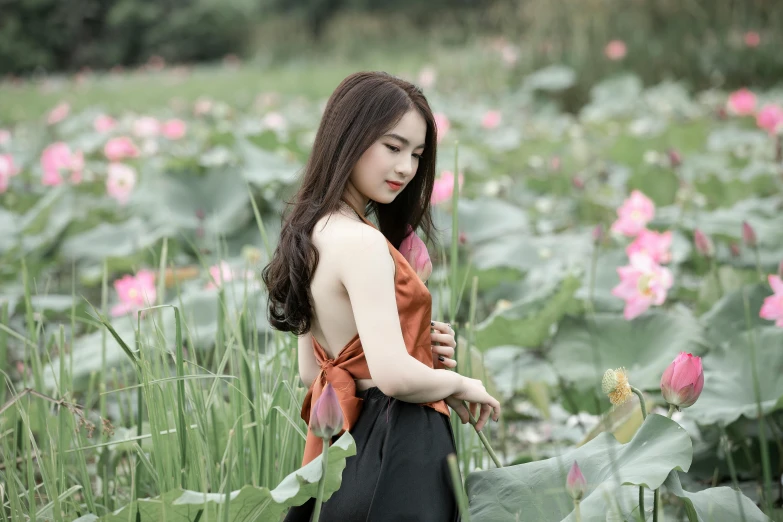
(644, 416)
(765, 468)
(758, 262)
(641, 401)
(656, 499)
(483, 438)
(657, 493)
(716, 275)
(321, 483)
(577, 512)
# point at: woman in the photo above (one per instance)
(362, 314)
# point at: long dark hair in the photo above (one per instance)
(363, 108)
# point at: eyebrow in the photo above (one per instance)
(403, 140)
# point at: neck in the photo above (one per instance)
(353, 207)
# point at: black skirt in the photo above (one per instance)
(399, 473)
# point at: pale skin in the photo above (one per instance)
(353, 291)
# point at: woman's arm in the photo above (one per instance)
(308, 366)
(367, 272)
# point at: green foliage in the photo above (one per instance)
(52, 35)
(537, 489)
(248, 503)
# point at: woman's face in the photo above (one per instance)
(393, 158)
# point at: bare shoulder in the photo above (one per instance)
(349, 243)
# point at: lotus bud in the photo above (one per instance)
(576, 483)
(415, 252)
(675, 159)
(598, 233)
(683, 380)
(326, 417)
(615, 385)
(748, 234)
(735, 250)
(703, 243)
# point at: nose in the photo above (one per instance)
(405, 168)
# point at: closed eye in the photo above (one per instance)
(396, 149)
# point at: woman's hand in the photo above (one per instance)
(443, 345)
(475, 395)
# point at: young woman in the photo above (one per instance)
(362, 314)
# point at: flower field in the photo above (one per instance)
(613, 275)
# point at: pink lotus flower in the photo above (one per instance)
(682, 381)
(491, 119)
(643, 283)
(427, 76)
(146, 127)
(415, 252)
(326, 417)
(274, 121)
(443, 188)
(634, 214)
(653, 244)
(741, 102)
(7, 170)
(598, 233)
(749, 235)
(704, 245)
(442, 126)
(59, 113)
(752, 39)
(772, 309)
(120, 182)
(57, 159)
(120, 148)
(7, 167)
(509, 54)
(5, 136)
(615, 50)
(675, 159)
(220, 273)
(104, 123)
(770, 118)
(202, 106)
(135, 293)
(576, 483)
(174, 129)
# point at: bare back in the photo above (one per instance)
(333, 324)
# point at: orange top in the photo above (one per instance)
(414, 304)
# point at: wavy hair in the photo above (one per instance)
(362, 108)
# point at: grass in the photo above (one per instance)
(238, 86)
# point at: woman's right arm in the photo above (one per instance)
(367, 273)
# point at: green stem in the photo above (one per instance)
(765, 467)
(577, 511)
(656, 500)
(643, 406)
(758, 262)
(716, 275)
(591, 282)
(483, 438)
(321, 483)
(657, 493)
(732, 470)
(641, 401)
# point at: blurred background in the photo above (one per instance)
(705, 43)
(148, 147)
